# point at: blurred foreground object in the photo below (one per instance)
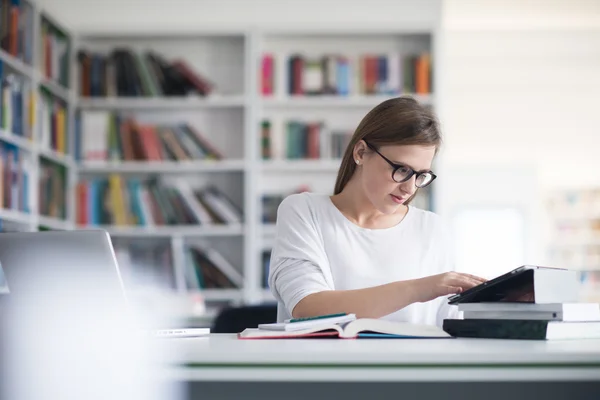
(67, 330)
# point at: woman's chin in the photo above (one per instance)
(389, 207)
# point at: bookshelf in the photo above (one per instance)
(574, 239)
(108, 149)
(322, 83)
(35, 139)
(169, 144)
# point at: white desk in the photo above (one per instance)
(224, 358)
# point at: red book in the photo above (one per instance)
(267, 74)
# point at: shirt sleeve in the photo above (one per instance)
(299, 265)
(447, 260)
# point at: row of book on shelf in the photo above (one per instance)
(126, 72)
(54, 53)
(575, 216)
(14, 178)
(266, 265)
(575, 203)
(52, 190)
(16, 103)
(115, 137)
(146, 265)
(104, 136)
(132, 202)
(334, 74)
(19, 110)
(53, 123)
(15, 169)
(16, 38)
(16, 29)
(303, 140)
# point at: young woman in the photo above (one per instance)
(366, 250)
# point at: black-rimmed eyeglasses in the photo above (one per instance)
(402, 173)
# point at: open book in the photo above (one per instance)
(359, 328)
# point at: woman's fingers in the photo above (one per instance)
(452, 290)
(466, 281)
(477, 278)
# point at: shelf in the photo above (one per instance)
(221, 294)
(301, 165)
(16, 64)
(53, 21)
(57, 157)
(161, 166)
(336, 101)
(268, 242)
(54, 223)
(268, 229)
(267, 296)
(168, 231)
(162, 103)
(15, 216)
(55, 88)
(19, 141)
(352, 31)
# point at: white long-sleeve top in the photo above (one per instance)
(317, 248)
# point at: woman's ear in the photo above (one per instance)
(359, 152)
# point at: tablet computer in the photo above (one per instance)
(515, 286)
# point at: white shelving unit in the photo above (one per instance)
(574, 239)
(231, 119)
(222, 117)
(31, 148)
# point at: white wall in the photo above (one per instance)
(520, 14)
(521, 84)
(521, 92)
(189, 15)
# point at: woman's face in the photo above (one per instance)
(385, 194)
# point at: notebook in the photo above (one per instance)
(358, 328)
(299, 324)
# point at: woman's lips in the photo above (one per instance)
(397, 199)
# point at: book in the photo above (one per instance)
(358, 328)
(299, 324)
(558, 312)
(125, 72)
(522, 329)
(525, 284)
(330, 74)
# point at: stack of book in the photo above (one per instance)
(527, 321)
(527, 303)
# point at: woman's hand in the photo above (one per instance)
(434, 286)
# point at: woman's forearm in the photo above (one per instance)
(373, 302)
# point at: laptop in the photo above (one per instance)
(67, 267)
